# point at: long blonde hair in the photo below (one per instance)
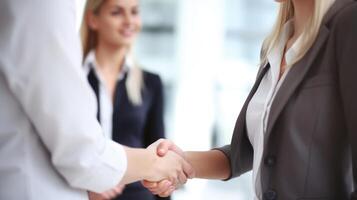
(309, 34)
(134, 82)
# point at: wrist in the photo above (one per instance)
(149, 160)
(140, 165)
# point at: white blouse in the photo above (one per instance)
(106, 102)
(259, 107)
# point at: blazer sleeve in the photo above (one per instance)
(239, 154)
(154, 128)
(226, 150)
(41, 64)
(345, 33)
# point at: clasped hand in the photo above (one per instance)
(164, 168)
(164, 187)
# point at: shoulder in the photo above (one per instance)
(344, 27)
(346, 18)
(152, 79)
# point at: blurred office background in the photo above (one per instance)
(207, 53)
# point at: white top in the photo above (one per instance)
(259, 107)
(51, 145)
(105, 99)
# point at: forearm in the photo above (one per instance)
(211, 164)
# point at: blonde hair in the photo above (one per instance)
(309, 34)
(134, 82)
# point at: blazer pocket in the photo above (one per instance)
(318, 81)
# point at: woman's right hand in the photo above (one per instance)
(171, 166)
(165, 187)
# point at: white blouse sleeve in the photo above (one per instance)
(40, 59)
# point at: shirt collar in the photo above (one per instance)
(275, 55)
(90, 62)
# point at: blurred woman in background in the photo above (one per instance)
(130, 100)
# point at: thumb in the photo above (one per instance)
(167, 145)
(164, 147)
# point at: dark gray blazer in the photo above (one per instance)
(310, 147)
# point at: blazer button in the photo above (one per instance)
(270, 161)
(270, 195)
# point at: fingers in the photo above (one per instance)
(95, 196)
(162, 186)
(164, 145)
(178, 176)
(149, 184)
(169, 145)
(109, 194)
(166, 188)
(188, 169)
(182, 179)
(172, 167)
(167, 192)
(119, 189)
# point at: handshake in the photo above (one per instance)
(173, 171)
(162, 167)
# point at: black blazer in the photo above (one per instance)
(136, 126)
(139, 126)
(310, 148)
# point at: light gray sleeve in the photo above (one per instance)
(40, 58)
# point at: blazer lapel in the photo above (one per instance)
(294, 78)
(299, 70)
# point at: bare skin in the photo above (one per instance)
(211, 164)
(145, 164)
(303, 10)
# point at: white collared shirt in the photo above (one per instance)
(259, 107)
(51, 144)
(105, 98)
